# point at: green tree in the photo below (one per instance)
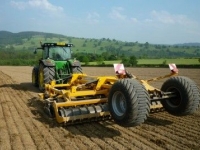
(133, 61)
(85, 59)
(146, 45)
(84, 45)
(125, 61)
(164, 62)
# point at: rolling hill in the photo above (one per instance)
(29, 40)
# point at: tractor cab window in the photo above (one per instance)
(45, 53)
(59, 53)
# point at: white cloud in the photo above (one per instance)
(116, 13)
(44, 4)
(134, 20)
(93, 18)
(40, 4)
(148, 20)
(167, 18)
(18, 5)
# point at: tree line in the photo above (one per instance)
(20, 58)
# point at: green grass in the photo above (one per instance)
(178, 61)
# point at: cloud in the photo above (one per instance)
(116, 13)
(44, 4)
(39, 4)
(134, 20)
(148, 20)
(18, 5)
(167, 18)
(93, 18)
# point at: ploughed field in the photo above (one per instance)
(24, 125)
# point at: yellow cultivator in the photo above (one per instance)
(123, 97)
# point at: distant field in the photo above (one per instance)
(180, 61)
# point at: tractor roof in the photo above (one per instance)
(61, 44)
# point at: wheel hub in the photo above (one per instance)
(119, 103)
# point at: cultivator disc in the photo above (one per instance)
(84, 114)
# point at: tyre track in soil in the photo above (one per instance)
(37, 131)
(111, 138)
(183, 122)
(124, 139)
(47, 141)
(22, 129)
(14, 136)
(167, 137)
(62, 140)
(186, 128)
(81, 137)
(98, 136)
(4, 136)
(88, 132)
(160, 131)
(181, 132)
(138, 140)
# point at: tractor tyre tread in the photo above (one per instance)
(77, 69)
(48, 75)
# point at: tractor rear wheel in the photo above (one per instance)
(46, 75)
(187, 98)
(35, 76)
(129, 102)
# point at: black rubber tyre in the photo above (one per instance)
(77, 69)
(188, 96)
(35, 76)
(45, 76)
(129, 102)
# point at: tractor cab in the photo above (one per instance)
(56, 51)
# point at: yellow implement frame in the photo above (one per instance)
(89, 92)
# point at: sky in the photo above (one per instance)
(152, 21)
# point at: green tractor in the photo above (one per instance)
(56, 64)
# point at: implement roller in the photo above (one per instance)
(124, 98)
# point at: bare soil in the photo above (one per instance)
(24, 125)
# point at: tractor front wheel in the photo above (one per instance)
(187, 98)
(35, 76)
(46, 75)
(129, 102)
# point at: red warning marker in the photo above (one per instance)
(119, 68)
(173, 68)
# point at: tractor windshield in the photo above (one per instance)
(59, 53)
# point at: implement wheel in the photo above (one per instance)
(187, 98)
(46, 75)
(35, 76)
(129, 102)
